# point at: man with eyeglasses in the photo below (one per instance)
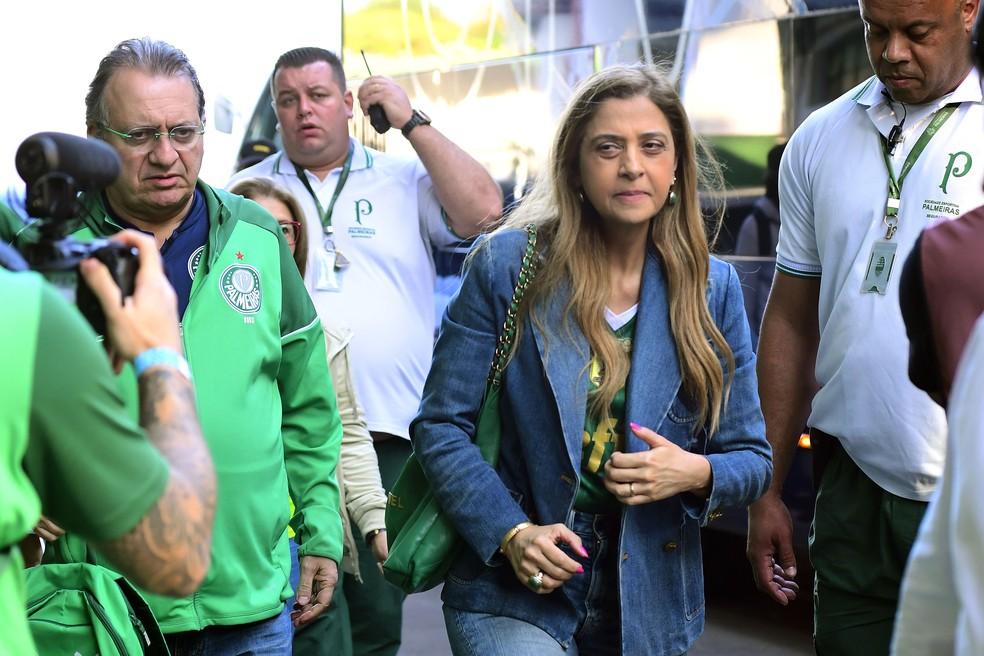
(256, 349)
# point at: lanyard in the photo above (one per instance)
(893, 202)
(325, 215)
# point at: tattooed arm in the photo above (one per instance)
(147, 503)
(169, 549)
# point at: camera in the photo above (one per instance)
(57, 167)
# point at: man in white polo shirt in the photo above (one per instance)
(372, 220)
(833, 333)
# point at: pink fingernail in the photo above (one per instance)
(634, 425)
(583, 552)
(580, 570)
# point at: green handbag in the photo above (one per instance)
(422, 540)
(87, 609)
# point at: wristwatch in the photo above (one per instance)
(416, 118)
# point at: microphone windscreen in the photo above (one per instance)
(92, 163)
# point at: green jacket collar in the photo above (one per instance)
(222, 210)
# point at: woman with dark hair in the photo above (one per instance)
(629, 407)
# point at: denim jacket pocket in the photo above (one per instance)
(679, 425)
(680, 413)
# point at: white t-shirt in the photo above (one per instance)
(616, 321)
(386, 221)
(941, 610)
(833, 187)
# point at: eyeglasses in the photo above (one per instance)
(290, 229)
(183, 137)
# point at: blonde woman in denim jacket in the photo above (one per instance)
(629, 406)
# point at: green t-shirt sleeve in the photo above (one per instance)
(93, 467)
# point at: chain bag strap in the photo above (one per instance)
(507, 336)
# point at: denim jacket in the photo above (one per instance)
(542, 404)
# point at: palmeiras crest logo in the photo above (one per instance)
(194, 261)
(240, 285)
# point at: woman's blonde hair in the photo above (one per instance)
(574, 249)
(255, 188)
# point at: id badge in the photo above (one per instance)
(880, 264)
(327, 280)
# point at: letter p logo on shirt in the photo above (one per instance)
(364, 208)
(958, 166)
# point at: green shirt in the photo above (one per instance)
(63, 424)
(601, 439)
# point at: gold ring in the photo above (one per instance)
(536, 581)
(631, 491)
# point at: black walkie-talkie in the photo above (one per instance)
(895, 134)
(377, 115)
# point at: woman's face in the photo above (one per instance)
(282, 214)
(627, 161)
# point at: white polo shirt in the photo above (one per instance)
(833, 185)
(385, 221)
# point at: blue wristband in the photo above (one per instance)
(161, 355)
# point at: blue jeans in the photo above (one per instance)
(594, 595)
(270, 637)
(295, 572)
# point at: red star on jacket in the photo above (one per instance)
(239, 255)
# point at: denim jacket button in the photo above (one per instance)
(669, 546)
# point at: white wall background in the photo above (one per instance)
(49, 51)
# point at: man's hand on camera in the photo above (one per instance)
(49, 530)
(149, 318)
